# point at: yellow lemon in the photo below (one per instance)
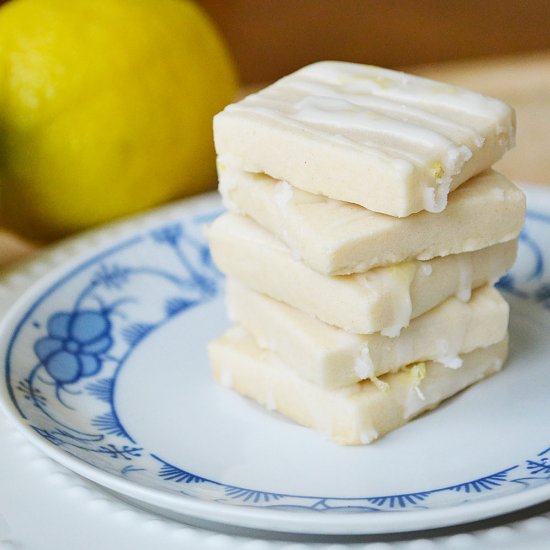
(106, 108)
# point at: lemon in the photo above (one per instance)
(106, 108)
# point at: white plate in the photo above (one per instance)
(106, 371)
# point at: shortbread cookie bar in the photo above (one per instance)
(353, 415)
(383, 299)
(391, 142)
(332, 358)
(338, 238)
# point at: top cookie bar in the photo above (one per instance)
(391, 142)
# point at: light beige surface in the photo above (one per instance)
(339, 238)
(332, 358)
(354, 415)
(391, 142)
(383, 299)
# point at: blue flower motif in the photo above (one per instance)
(74, 345)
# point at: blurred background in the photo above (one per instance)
(501, 48)
(497, 47)
(270, 38)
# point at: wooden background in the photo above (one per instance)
(270, 38)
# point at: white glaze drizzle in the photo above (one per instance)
(278, 110)
(465, 271)
(363, 365)
(457, 132)
(396, 285)
(406, 88)
(426, 148)
(450, 361)
(367, 435)
(283, 195)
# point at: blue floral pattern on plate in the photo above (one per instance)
(64, 388)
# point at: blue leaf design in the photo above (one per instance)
(399, 501)
(539, 466)
(102, 389)
(125, 452)
(136, 332)
(176, 305)
(247, 495)
(483, 484)
(109, 423)
(31, 394)
(172, 473)
(113, 277)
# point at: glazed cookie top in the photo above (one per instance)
(392, 142)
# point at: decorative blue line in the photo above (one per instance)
(102, 389)
(172, 473)
(539, 216)
(480, 485)
(539, 261)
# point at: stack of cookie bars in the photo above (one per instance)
(364, 235)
